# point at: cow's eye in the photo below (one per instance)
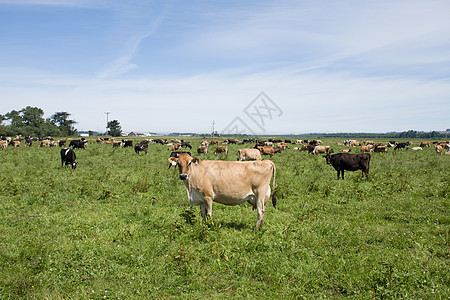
(189, 163)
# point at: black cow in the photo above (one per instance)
(127, 143)
(186, 144)
(401, 146)
(68, 157)
(78, 144)
(349, 162)
(142, 146)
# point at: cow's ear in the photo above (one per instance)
(173, 161)
(195, 160)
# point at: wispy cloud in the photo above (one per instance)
(123, 64)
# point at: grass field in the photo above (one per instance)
(120, 227)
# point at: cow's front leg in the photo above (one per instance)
(206, 208)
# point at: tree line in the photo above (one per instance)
(30, 121)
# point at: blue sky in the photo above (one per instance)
(164, 66)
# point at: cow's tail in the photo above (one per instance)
(274, 199)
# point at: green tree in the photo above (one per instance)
(32, 116)
(114, 128)
(61, 119)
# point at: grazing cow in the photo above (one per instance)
(204, 143)
(349, 162)
(3, 144)
(269, 150)
(81, 144)
(202, 149)
(425, 144)
(354, 144)
(402, 146)
(249, 154)
(368, 148)
(381, 149)
(226, 182)
(28, 141)
(68, 157)
(61, 143)
(283, 146)
(117, 144)
(142, 146)
(175, 147)
(439, 149)
(346, 150)
(185, 144)
(44, 143)
(100, 140)
(391, 144)
(214, 142)
(270, 144)
(321, 149)
(221, 149)
(15, 143)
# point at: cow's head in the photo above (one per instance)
(74, 165)
(184, 162)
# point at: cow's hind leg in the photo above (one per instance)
(263, 196)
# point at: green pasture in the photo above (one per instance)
(120, 227)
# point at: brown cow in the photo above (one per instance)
(368, 148)
(3, 144)
(381, 149)
(221, 149)
(268, 150)
(175, 147)
(226, 182)
(202, 149)
(117, 144)
(249, 154)
(425, 144)
(321, 149)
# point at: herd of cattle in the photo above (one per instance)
(235, 182)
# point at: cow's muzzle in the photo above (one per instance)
(183, 176)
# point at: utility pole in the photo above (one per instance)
(107, 121)
(212, 130)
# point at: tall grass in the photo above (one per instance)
(120, 226)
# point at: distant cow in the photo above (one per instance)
(127, 143)
(249, 154)
(368, 148)
(142, 146)
(202, 149)
(268, 150)
(402, 146)
(321, 149)
(221, 149)
(68, 158)
(349, 162)
(81, 144)
(175, 147)
(381, 149)
(117, 144)
(185, 144)
(425, 144)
